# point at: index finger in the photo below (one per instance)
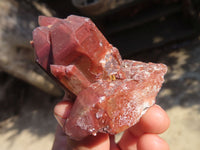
(155, 121)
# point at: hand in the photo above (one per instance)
(142, 136)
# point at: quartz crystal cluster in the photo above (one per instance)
(111, 94)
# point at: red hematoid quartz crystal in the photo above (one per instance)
(111, 94)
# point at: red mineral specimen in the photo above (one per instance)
(111, 94)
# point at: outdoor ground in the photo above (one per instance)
(26, 113)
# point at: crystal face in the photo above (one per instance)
(111, 94)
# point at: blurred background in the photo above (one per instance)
(164, 31)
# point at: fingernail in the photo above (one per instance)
(60, 120)
(62, 109)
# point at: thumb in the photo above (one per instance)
(62, 111)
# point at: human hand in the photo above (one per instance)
(142, 136)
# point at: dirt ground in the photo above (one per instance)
(26, 113)
(181, 98)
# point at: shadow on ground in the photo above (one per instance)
(24, 108)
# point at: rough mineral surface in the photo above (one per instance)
(111, 94)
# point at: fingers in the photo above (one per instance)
(128, 141)
(60, 140)
(144, 142)
(151, 141)
(155, 120)
(99, 142)
(113, 145)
